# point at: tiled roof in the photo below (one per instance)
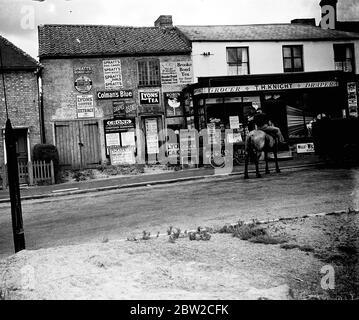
(262, 32)
(94, 40)
(14, 58)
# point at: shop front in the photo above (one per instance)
(292, 101)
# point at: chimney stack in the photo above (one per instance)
(329, 14)
(164, 21)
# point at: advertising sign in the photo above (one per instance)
(150, 97)
(117, 125)
(184, 72)
(120, 94)
(172, 104)
(82, 70)
(112, 74)
(151, 136)
(305, 147)
(234, 122)
(176, 72)
(85, 108)
(352, 99)
(168, 73)
(122, 155)
(173, 149)
(83, 84)
(268, 87)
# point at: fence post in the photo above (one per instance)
(30, 173)
(52, 172)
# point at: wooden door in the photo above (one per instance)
(78, 143)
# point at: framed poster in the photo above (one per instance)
(151, 136)
(122, 155)
(85, 108)
(172, 104)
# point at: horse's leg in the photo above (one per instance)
(266, 148)
(257, 164)
(246, 176)
(266, 160)
(275, 151)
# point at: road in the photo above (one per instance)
(212, 202)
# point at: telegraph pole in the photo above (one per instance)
(13, 175)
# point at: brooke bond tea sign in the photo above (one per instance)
(150, 97)
(112, 74)
(85, 108)
(179, 72)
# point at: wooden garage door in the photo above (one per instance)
(78, 143)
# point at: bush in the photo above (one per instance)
(47, 152)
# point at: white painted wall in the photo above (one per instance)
(264, 57)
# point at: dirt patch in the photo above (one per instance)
(108, 171)
(170, 266)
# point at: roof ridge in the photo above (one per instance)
(19, 50)
(100, 26)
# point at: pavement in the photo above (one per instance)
(133, 181)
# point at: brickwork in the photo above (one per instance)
(59, 92)
(23, 105)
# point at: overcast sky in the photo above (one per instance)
(19, 25)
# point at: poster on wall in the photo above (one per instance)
(151, 136)
(234, 122)
(184, 72)
(172, 104)
(112, 74)
(176, 72)
(150, 97)
(83, 84)
(122, 155)
(352, 99)
(112, 139)
(128, 138)
(85, 107)
(116, 125)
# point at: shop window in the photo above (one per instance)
(237, 60)
(344, 57)
(148, 73)
(293, 58)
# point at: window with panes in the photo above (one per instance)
(237, 61)
(148, 73)
(293, 58)
(344, 57)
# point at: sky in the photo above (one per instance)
(19, 18)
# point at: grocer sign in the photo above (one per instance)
(150, 97)
(115, 125)
(101, 95)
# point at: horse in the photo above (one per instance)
(257, 142)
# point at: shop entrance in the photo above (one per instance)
(277, 113)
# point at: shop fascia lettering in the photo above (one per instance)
(268, 87)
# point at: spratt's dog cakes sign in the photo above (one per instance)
(112, 74)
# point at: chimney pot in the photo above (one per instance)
(164, 21)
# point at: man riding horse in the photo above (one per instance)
(263, 123)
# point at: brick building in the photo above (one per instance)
(22, 95)
(112, 87)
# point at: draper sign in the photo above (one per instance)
(150, 97)
(101, 95)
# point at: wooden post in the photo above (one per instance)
(30, 173)
(14, 188)
(52, 172)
